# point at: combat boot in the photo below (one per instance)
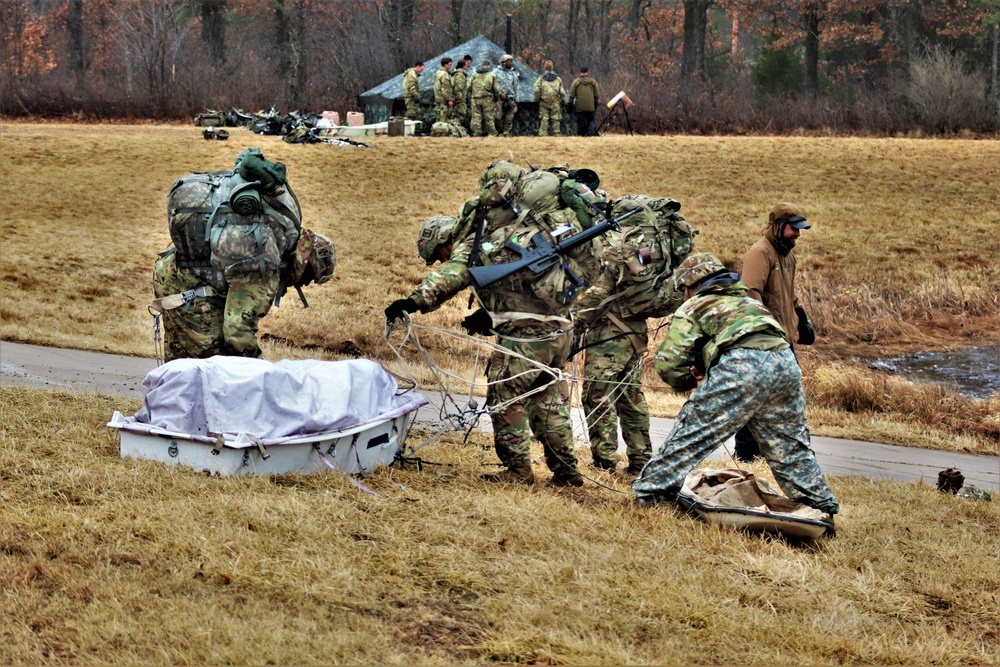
(519, 474)
(602, 464)
(572, 478)
(635, 468)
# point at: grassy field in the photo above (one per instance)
(112, 561)
(901, 256)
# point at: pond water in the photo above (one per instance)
(973, 372)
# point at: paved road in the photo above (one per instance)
(31, 365)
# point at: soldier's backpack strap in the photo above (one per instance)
(477, 240)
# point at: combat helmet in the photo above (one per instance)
(538, 192)
(696, 268)
(497, 182)
(315, 260)
(434, 233)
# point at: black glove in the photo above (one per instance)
(398, 308)
(806, 334)
(478, 322)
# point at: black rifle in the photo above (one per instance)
(544, 255)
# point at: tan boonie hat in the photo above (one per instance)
(505, 57)
(787, 213)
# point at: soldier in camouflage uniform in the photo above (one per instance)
(411, 92)
(444, 95)
(508, 79)
(527, 324)
(459, 87)
(731, 348)
(550, 95)
(484, 95)
(192, 323)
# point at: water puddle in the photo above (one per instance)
(973, 372)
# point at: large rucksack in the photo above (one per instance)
(224, 223)
(650, 246)
(539, 211)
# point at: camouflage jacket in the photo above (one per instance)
(549, 89)
(411, 87)
(459, 82)
(443, 91)
(711, 323)
(484, 84)
(507, 80)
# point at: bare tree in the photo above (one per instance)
(812, 16)
(77, 39)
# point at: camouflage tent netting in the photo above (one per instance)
(386, 100)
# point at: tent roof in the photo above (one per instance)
(480, 48)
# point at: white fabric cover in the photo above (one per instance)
(272, 401)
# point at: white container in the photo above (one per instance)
(356, 450)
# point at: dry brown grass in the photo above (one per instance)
(109, 561)
(901, 256)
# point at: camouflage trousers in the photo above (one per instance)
(762, 390)
(413, 109)
(483, 111)
(544, 414)
(249, 299)
(612, 390)
(224, 324)
(546, 113)
(442, 113)
(195, 329)
(505, 118)
(458, 113)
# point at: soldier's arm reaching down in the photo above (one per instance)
(679, 352)
(445, 281)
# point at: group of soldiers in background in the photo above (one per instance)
(721, 341)
(484, 101)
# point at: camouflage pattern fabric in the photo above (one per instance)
(195, 329)
(612, 390)
(708, 324)
(484, 94)
(544, 414)
(549, 93)
(505, 117)
(459, 87)
(443, 95)
(249, 299)
(483, 116)
(759, 388)
(411, 95)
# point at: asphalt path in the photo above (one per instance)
(112, 374)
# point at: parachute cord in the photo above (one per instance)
(157, 338)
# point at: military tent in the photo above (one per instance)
(386, 100)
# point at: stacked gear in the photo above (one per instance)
(577, 191)
(238, 235)
(539, 212)
(651, 245)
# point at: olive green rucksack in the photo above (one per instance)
(226, 222)
(650, 246)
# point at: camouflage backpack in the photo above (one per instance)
(210, 118)
(224, 223)
(539, 212)
(650, 246)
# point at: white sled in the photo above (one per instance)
(231, 416)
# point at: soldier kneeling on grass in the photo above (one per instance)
(733, 353)
(212, 289)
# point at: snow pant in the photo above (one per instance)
(545, 413)
(759, 389)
